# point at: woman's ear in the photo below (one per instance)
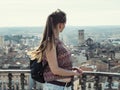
(59, 25)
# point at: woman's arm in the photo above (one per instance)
(53, 64)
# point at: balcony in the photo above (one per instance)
(99, 81)
(21, 80)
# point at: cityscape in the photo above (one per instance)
(94, 49)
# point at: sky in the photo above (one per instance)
(79, 12)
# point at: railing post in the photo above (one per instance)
(110, 82)
(96, 84)
(89, 86)
(22, 81)
(100, 86)
(10, 81)
(72, 84)
(83, 82)
(80, 77)
(0, 85)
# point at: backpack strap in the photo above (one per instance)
(45, 65)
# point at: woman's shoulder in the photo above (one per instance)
(58, 41)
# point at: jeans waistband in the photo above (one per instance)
(66, 84)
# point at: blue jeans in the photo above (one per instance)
(49, 86)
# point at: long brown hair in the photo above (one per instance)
(48, 36)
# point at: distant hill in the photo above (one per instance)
(20, 30)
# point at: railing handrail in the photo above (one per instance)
(14, 71)
(82, 80)
(84, 72)
(101, 73)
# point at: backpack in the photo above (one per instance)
(37, 70)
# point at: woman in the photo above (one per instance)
(59, 72)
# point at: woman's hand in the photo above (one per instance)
(77, 70)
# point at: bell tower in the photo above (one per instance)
(81, 37)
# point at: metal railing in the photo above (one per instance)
(8, 81)
(98, 78)
(84, 82)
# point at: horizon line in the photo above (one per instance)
(66, 26)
